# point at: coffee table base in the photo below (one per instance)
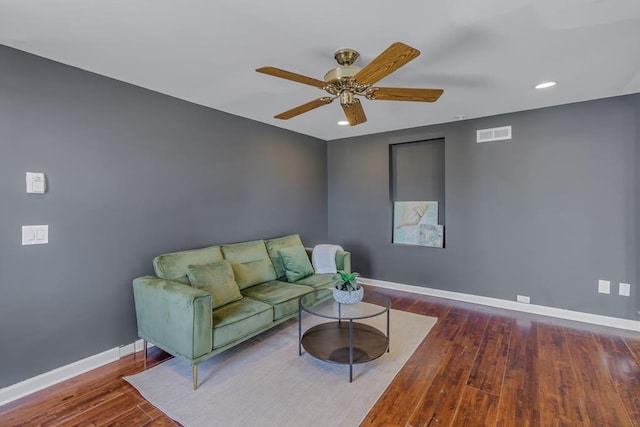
(345, 342)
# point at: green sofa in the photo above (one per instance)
(202, 302)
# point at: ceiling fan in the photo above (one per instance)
(348, 81)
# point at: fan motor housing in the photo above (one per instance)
(341, 73)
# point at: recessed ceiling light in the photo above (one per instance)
(545, 85)
(343, 122)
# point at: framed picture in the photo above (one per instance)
(416, 223)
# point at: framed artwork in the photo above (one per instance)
(416, 223)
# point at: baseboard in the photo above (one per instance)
(31, 385)
(596, 319)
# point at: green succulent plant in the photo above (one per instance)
(346, 281)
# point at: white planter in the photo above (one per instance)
(346, 297)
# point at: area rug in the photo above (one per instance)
(263, 382)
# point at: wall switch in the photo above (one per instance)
(35, 234)
(523, 298)
(625, 289)
(36, 183)
(604, 286)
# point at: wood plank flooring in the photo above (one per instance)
(478, 366)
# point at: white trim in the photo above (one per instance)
(139, 345)
(31, 385)
(596, 319)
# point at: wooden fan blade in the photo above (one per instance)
(304, 108)
(283, 74)
(394, 57)
(405, 94)
(355, 113)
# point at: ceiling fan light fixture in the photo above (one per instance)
(545, 85)
(346, 98)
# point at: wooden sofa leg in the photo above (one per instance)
(195, 377)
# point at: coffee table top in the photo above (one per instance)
(321, 303)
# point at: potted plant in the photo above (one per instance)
(347, 290)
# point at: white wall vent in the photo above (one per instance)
(494, 134)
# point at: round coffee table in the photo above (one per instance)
(343, 340)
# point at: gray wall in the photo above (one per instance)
(545, 214)
(131, 174)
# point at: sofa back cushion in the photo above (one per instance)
(216, 278)
(275, 245)
(250, 262)
(174, 265)
(296, 263)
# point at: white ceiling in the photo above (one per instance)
(487, 56)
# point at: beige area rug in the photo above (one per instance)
(263, 382)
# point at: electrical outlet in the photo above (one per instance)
(625, 289)
(523, 298)
(604, 286)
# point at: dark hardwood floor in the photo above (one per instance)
(478, 366)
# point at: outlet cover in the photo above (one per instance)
(604, 286)
(625, 289)
(523, 298)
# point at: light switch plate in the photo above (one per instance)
(36, 183)
(35, 234)
(625, 289)
(604, 286)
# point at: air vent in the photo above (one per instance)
(494, 134)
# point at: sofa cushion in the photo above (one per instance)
(296, 263)
(174, 265)
(274, 245)
(235, 321)
(282, 296)
(250, 262)
(217, 279)
(318, 281)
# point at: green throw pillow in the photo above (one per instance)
(216, 278)
(296, 263)
(274, 245)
